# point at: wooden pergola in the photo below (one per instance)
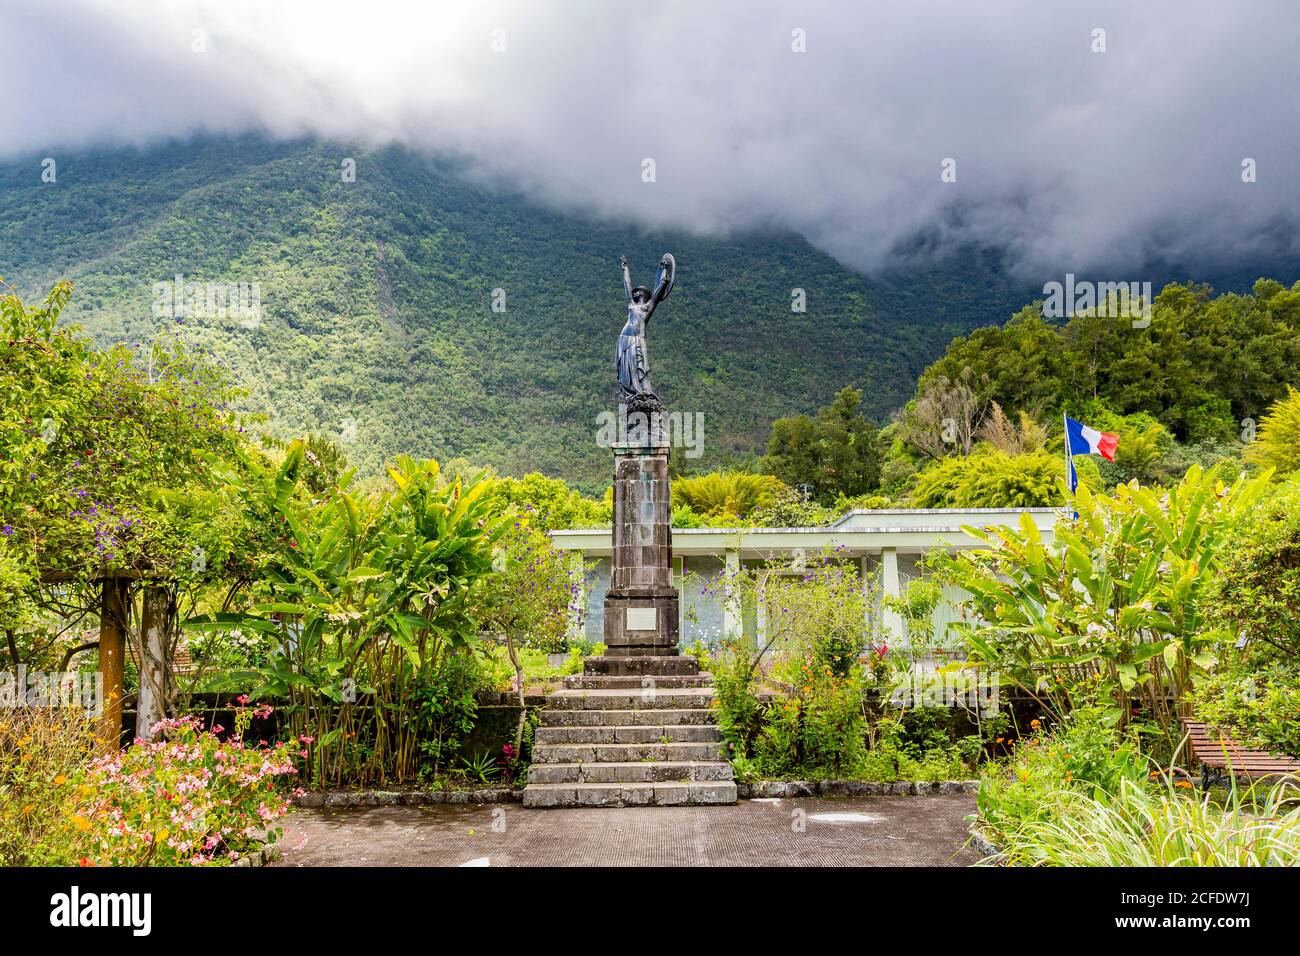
(114, 626)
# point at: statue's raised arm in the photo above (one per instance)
(666, 277)
(664, 280)
(627, 277)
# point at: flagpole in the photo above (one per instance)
(1065, 437)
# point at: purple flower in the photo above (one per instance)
(7, 530)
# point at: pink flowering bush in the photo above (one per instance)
(188, 798)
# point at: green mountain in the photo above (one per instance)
(376, 300)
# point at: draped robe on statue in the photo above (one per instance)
(631, 359)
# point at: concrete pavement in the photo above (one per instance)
(870, 831)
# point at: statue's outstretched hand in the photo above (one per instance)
(622, 261)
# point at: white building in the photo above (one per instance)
(887, 544)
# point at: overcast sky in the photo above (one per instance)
(1071, 159)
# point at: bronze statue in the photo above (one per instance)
(631, 360)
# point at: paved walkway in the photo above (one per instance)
(871, 831)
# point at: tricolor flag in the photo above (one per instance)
(1082, 440)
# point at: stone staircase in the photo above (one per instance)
(619, 740)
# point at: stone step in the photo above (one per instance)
(629, 794)
(694, 698)
(626, 753)
(555, 717)
(636, 682)
(649, 771)
(642, 664)
(634, 734)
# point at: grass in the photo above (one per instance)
(1161, 825)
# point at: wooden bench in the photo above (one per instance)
(1218, 754)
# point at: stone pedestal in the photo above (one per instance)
(641, 604)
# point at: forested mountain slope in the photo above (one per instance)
(376, 296)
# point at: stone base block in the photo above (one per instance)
(641, 624)
(649, 665)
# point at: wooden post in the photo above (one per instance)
(155, 674)
(112, 649)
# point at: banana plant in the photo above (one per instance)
(362, 596)
(1113, 606)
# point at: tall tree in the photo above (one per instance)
(835, 454)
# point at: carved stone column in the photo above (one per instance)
(641, 606)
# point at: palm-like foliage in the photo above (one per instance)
(366, 598)
(1277, 444)
(1113, 604)
(726, 493)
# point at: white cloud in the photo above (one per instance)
(1068, 158)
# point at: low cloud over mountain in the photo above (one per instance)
(830, 119)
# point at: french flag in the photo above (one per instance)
(1082, 440)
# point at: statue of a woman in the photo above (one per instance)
(631, 360)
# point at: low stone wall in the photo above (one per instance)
(982, 845)
(259, 857)
(500, 698)
(406, 798)
(760, 789)
(767, 789)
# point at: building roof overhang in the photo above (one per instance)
(857, 532)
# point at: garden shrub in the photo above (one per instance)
(43, 750)
(1257, 595)
(191, 798)
(1084, 752)
(365, 594)
(1257, 707)
(739, 713)
(700, 651)
(1254, 692)
(187, 799)
(816, 730)
(990, 479)
(813, 720)
(910, 747)
(726, 494)
(445, 704)
(1277, 442)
